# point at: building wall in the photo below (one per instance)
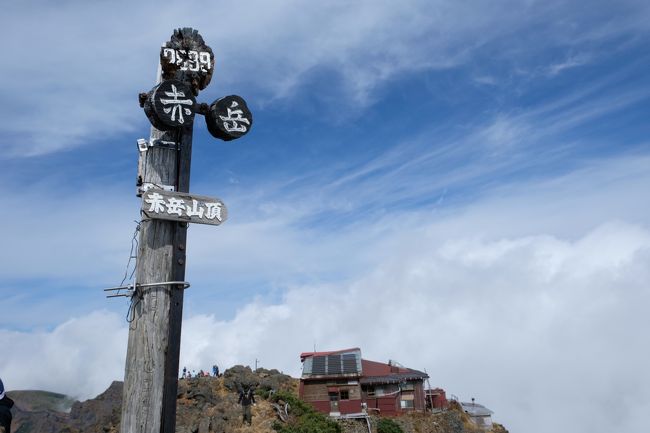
(387, 399)
(438, 398)
(317, 393)
(390, 403)
(350, 406)
(420, 402)
(321, 406)
(314, 391)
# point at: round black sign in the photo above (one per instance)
(229, 118)
(170, 105)
(187, 58)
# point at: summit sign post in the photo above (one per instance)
(184, 208)
(163, 182)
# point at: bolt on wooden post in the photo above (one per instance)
(151, 372)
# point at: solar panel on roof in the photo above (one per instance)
(318, 365)
(334, 364)
(349, 363)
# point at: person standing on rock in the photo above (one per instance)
(246, 398)
(5, 410)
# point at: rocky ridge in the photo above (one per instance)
(208, 405)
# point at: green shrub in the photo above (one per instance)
(387, 425)
(303, 418)
(263, 392)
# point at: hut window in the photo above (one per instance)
(345, 395)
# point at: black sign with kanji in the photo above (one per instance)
(170, 105)
(229, 118)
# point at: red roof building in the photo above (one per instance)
(342, 383)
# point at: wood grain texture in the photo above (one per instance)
(151, 372)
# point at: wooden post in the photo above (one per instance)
(151, 373)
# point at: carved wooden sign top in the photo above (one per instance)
(187, 58)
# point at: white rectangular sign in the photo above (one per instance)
(182, 207)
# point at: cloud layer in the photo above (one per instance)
(492, 307)
(75, 75)
(493, 229)
(509, 321)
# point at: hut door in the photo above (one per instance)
(334, 402)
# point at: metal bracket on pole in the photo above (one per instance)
(144, 145)
(132, 291)
(147, 186)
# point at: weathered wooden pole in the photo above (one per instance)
(151, 373)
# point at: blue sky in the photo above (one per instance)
(469, 178)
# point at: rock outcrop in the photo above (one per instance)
(205, 405)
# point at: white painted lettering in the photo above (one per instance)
(204, 59)
(195, 61)
(213, 211)
(175, 206)
(195, 210)
(177, 105)
(156, 201)
(230, 122)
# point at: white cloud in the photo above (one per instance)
(509, 321)
(503, 135)
(573, 61)
(537, 290)
(77, 71)
(79, 358)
